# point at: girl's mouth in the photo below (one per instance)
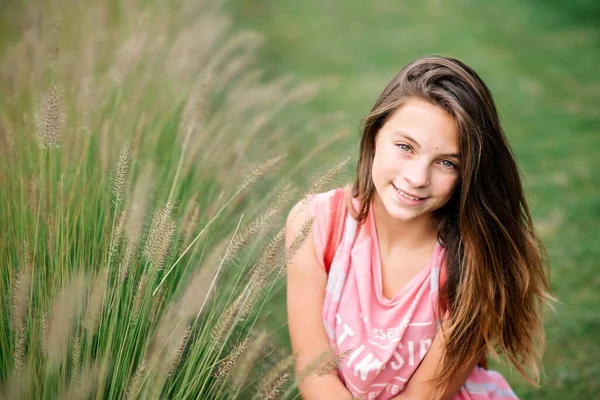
(412, 200)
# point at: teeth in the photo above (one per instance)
(407, 196)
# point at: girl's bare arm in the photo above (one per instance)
(306, 282)
(418, 387)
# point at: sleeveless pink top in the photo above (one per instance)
(386, 338)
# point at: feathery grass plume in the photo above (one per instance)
(139, 296)
(44, 336)
(322, 362)
(21, 290)
(117, 233)
(197, 292)
(230, 361)
(136, 211)
(250, 231)
(127, 260)
(121, 175)
(20, 351)
(76, 361)
(51, 117)
(276, 388)
(160, 237)
(189, 306)
(32, 188)
(233, 68)
(96, 302)
(333, 364)
(321, 182)
(268, 261)
(84, 388)
(191, 218)
(272, 382)
(260, 171)
(300, 237)
(179, 350)
(64, 310)
(227, 319)
(194, 112)
(136, 381)
(156, 302)
(248, 360)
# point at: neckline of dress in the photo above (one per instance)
(376, 266)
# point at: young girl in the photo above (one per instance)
(435, 264)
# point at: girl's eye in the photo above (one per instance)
(448, 164)
(404, 147)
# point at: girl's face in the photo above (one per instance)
(416, 163)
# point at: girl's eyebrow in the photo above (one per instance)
(411, 139)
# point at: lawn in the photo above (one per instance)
(540, 61)
(143, 192)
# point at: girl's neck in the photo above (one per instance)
(395, 234)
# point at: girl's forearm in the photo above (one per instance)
(328, 387)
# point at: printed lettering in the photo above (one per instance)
(411, 353)
(424, 346)
(396, 365)
(347, 332)
(391, 332)
(355, 354)
(368, 364)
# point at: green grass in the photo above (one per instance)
(129, 82)
(137, 253)
(540, 61)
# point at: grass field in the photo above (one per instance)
(142, 192)
(540, 61)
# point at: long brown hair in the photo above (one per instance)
(497, 284)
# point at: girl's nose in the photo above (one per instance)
(416, 173)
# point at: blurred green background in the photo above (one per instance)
(540, 60)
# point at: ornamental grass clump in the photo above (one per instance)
(141, 203)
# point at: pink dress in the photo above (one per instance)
(387, 337)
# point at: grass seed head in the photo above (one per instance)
(138, 298)
(178, 352)
(127, 260)
(51, 117)
(21, 290)
(161, 236)
(275, 378)
(117, 234)
(300, 238)
(96, 301)
(191, 218)
(76, 361)
(230, 361)
(64, 310)
(20, 349)
(248, 360)
(136, 381)
(260, 171)
(121, 175)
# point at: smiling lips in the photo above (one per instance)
(408, 196)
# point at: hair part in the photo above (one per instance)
(497, 284)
